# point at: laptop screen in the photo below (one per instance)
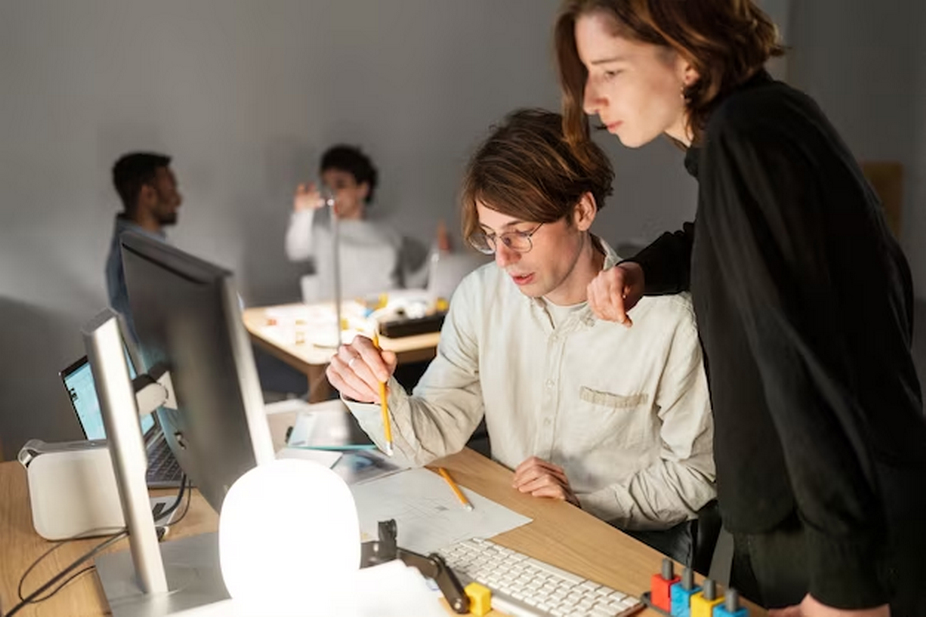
(78, 379)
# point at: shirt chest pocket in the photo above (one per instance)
(619, 419)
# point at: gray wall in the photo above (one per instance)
(864, 63)
(245, 95)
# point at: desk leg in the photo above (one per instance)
(319, 388)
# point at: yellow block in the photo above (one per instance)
(702, 607)
(480, 599)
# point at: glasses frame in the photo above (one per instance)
(492, 240)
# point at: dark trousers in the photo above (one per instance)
(675, 542)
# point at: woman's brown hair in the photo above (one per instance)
(726, 41)
(526, 169)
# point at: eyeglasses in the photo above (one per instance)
(517, 241)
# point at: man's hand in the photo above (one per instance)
(543, 479)
(810, 607)
(615, 291)
(357, 370)
(308, 197)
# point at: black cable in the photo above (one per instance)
(32, 599)
(66, 582)
(51, 583)
(82, 536)
(186, 507)
(170, 509)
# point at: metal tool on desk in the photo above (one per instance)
(433, 566)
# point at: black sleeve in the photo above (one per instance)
(666, 262)
(761, 196)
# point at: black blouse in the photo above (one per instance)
(805, 308)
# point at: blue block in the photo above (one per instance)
(721, 611)
(681, 600)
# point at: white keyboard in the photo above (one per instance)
(525, 587)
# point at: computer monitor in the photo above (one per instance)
(196, 368)
(188, 321)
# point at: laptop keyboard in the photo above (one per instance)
(163, 468)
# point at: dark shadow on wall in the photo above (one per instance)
(36, 343)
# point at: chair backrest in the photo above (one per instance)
(448, 269)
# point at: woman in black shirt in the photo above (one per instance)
(803, 299)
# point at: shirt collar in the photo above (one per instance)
(124, 224)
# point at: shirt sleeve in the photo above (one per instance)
(681, 482)
(666, 262)
(770, 234)
(440, 416)
(299, 235)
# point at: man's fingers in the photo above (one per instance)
(372, 357)
(553, 492)
(534, 466)
(542, 481)
(345, 381)
(390, 359)
(546, 468)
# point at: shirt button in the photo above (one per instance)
(550, 384)
(547, 422)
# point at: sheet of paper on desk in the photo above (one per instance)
(322, 457)
(427, 513)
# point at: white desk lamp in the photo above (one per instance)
(289, 540)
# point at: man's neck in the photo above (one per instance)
(148, 223)
(574, 290)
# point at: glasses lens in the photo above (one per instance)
(517, 242)
(480, 242)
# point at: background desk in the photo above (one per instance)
(312, 360)
(559, 534)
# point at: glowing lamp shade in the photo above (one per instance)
(289, 538)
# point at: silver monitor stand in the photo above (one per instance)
(152, 580)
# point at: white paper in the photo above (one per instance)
(427, 512)
(323, 457)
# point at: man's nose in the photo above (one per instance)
(504, 255)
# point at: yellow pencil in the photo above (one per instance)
(387, 424)
(456, 489)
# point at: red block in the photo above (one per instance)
(660, 591)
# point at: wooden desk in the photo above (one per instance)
(312, 360)
(559, 534)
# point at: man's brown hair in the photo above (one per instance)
(526, 169)
(726, 41)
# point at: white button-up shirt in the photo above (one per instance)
(624, 411)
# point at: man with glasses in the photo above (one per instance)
(614, 420)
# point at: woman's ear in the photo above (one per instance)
(687, 71)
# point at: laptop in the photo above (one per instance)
(163, 469)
